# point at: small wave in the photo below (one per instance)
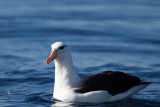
(10, 56)
(155, 65)
(8, 81)
(39, 98)
(36, 80)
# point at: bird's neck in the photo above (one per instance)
(65, 75)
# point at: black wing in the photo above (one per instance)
(113, 81)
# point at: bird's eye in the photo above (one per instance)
(62, 47)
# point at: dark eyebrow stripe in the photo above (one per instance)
(62, 47)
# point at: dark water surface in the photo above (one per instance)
(102, 35)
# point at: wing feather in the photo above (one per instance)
(112, 81)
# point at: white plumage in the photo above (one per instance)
(67, 80)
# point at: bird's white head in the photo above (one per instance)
(59, 51)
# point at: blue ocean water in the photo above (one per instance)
(103, 35)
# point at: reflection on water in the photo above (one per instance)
(63, 104)
(124, 103)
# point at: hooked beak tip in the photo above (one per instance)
(47, 62)
(51, 57)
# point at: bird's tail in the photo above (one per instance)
(147, 83)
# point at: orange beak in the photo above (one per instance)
(51, 57)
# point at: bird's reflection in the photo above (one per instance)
(127, 102)
(62, 104)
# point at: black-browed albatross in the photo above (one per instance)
(107, 86)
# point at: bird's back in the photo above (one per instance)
(114, 82)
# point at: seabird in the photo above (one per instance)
(107, 86)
